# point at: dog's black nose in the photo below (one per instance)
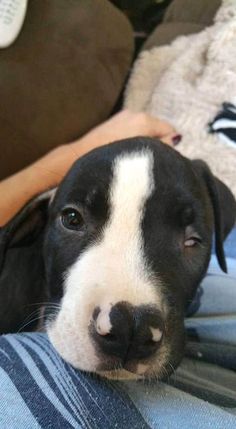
(128, 332)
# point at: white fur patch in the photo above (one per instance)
(47, 195)
(103, 323)
(112, 270)
(156, 334)
(121, 374)
(141, 368)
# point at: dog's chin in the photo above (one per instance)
(119, 374)
(131, 371)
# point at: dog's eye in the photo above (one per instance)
(191, 237)
(192, 241)
(72, 219)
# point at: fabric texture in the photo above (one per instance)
(69, 54)
(186, 83)
(182, 17)
(39, 390)
(224, 124)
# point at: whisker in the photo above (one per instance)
(173, 372)
(29, 322)
(44, 306)
(166, 374)
(43, 303)
(34, 313)
(37, 315)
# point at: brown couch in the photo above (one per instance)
(183, 17)
(64, 73)
(61, 77)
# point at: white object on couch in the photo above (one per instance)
(12, 15)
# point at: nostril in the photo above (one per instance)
(111, 329)
(150, 343)
(128, 332)
(110, 337)
(148, 333)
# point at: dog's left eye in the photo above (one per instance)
(72, 219)
(191, 238)
(192, 241)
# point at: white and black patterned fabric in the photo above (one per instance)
(224, 124)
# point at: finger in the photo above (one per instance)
(161, 128)
(167, 140)
(171, 139)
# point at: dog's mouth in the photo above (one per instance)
(84, 353)
(157, 369)
(159, 366)
(134, 370)
(120, 374)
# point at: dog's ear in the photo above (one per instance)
(26, 225)
(224, 208)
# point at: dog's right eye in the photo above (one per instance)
(72, 219)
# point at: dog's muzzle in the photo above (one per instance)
(127, 333)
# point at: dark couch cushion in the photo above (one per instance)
(181, 18)
(61, 77)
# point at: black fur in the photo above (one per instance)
(36, 251)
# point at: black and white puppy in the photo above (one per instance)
(122, 247)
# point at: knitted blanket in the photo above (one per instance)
(188, 83)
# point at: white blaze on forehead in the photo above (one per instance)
(113, 269)
(131, 187)
(121, 250)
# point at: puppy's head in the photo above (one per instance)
(127, 239)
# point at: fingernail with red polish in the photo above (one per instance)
(176, 139)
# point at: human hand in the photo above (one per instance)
(127, 124)
(48, 171)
